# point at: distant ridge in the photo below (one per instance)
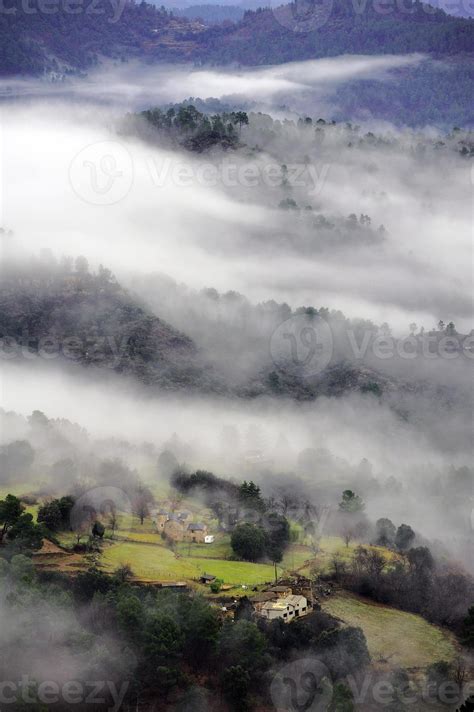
(70, 315)
(62, 43)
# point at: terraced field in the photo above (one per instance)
(159, 563)
(142, 547)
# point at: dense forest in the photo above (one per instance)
(185, 126)
(34, 42)
(89, 319)
(417, 96)
(150, 644)
(261, 39)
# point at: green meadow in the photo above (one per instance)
(394, 637)
(159, 563)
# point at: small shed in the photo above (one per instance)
(207, 578)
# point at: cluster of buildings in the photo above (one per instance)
(178, 526)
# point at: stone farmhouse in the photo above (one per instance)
(288, 608)
(283, 601)
(178, 526)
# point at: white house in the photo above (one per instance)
(287, 608)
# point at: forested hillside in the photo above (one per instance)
(34, 42)
(69, 313)
(266, 37)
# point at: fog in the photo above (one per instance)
(111, 409)
(410, 469)
(165, 203)
(135, 84)
(165, 227)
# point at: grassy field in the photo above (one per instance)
(299, 557)
(159, 563)
(296, 557)
(32, 509)
(15, 488)
(142, 537)
(394, 637)
(66, 539)
(219, 549)
(148, 562)
(141, 546)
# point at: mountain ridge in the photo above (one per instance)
(62, 43)
(91, 320)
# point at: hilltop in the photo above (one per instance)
(66, 312)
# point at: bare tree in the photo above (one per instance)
(287, 500)
(81, 528)
(123, 573)
(339, 567)
(348, 534)
(113, 520)
(142, 499)
(368, 562)
(140, 508)
(460, 671)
